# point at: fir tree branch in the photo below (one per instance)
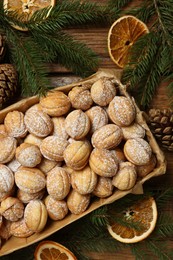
(144, 12)
(25, 52)
(158, 249)
(117, 6)
(138, 251)
(69, 13)
(163, 197)
(164, 228)
(69, 52)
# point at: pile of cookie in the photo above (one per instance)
(66, 150)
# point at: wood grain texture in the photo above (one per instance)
(96, 39)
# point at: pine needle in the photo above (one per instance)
(160, 250)
(67, 51)
(25, 52)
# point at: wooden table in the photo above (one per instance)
(96, 38)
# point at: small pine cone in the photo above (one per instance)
(161, 125)
(8, 83)
(2, 47)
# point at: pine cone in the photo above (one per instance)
(161, 125)
(8, 83)
(2, 47)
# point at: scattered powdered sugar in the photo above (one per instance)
(14, 124)
(57, 209)
(138, 151)
(59, 127)
(52, 148)
(30, 180)
(29, 156)
(121, 111)
(107, 136)
(103, 91)
(77, 124)
(6, 179)
(84, 181)
(103, 162)
(38, 123)
(7, 149)
(58, 185)
(104, 187)
(77, 203)
(98, 118)
(14, 165)
(133, 131)
(80, 97)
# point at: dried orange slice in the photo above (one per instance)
(50, 250)
(26, 8)
(143, 214)
(123, 33)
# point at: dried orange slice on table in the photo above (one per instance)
(123, 33)
(143, 214)
(50, 250)
(26, 8)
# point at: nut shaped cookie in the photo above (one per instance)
(58, 183)
(26, 197)
(121, 111)
(52, 148)
(12, 209)
(14, 124)
(126, 176)
(28, 155)
(104, 187)
(107, 137)
(6, 179)
(30, 180)
(38, 123)
(80, 97)
(84, 181)
(55, 103)
(77, 124)
(13, 165)
(77, 203)
(103, 162)
(46, 165)
(20, 229)
(119, 154)
(138, 151)
(7, 149)
(3, 131)
(59, 127)
(76, 155)
(98, 118)
(32, 139)
(103, 91)
(133, 131)
(57, 209)
(145, 169)
(35, 215)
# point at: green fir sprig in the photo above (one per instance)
(151, 57)
(90, 234)
(46, 41)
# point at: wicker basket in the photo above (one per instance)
(17, 243)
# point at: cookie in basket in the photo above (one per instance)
(80, 97)
(77, 153)
(98, 118)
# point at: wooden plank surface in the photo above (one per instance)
(96, 38)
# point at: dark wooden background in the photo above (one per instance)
(96, 39)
